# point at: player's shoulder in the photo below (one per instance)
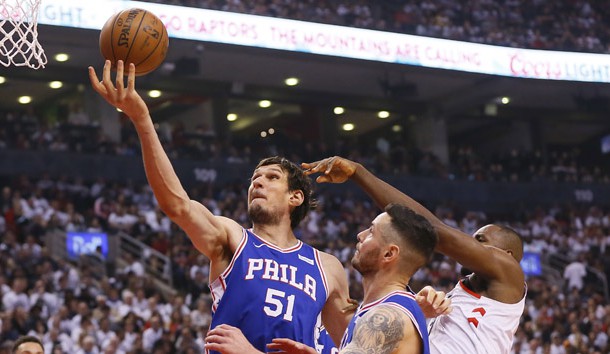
(506, 261)
(332, 267)
(386, 318)
(329, 261)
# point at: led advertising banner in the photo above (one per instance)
(299, 36)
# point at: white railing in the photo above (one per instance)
(155, 263)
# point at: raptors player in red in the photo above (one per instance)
(487, 304)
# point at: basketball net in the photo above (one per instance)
(19, 34)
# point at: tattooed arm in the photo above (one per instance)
(384, 330)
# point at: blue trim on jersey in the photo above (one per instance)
(271, 292)
(401, 299)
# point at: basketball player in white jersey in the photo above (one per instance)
(487, 304)
(264, 280)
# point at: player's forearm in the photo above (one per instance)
(159, 171)
(383, 193)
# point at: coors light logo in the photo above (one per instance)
(126, 27)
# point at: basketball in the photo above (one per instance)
(135, 36)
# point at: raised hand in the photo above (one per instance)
(124, 98)
(433, 303)
(333, 169)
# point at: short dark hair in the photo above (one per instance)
(512, 241)
(297, 180)
(26, 339)
(414, 229)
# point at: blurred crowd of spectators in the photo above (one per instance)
(26, 131)
(578, 25)
(76, 311)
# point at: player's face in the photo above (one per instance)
(30, 348)
(268, 194)
(368, 248)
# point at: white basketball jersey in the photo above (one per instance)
(477, 324)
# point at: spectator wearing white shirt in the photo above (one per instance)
(151, 308)
(16, 297)
(82, 313)
(104, 334)
(30, 209)
(158, 221)
(595, 216)
(121, 220)
(576, 338)
(201, 316)
(126, 305)
(129, 336)
(50, 301)
(152, 334)
(56, 339)
(88, 346)
(57, 213)
(201, 265)
(65, 269)
(61, 320)
(140, 301)
(112, 346)
(574, 273)
(556, 346)
(4, 288)
(86, 329)
(133, 265)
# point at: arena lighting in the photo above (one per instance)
(505, 100)
(2, 80)
(291, 81)
(61, 57)
(263, 134)
(231, 117)
(154, 93)
(271, 131)
(24, 99)
(348, 127)
(264, 104)
(55, 84)
(339, 110)
(383, 114)
(396, 128)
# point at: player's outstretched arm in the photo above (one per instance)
(209, 234)
(338, 170)
(452, 242)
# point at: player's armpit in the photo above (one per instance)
(334, 318)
